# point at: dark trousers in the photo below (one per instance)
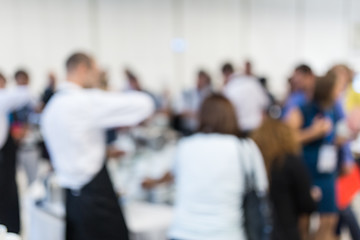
(9, 200)
(347, 218)
(94, 212)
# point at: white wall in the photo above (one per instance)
(213, 32)
(275, 34)
(38, 35)
(136, 34)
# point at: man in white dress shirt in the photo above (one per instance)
(249, 99)
(10, 100)
(74, 124)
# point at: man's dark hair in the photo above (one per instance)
(21, 73)
(76, 59)
(227, 68)
(304, 69)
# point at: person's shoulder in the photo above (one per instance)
(240, 79)
(193, 138)
(249, 143)
(251, 83)
(306, 106)
(96, 91)
(236, 84)
(187, 92)
(235, 80)
(207, 137)
(61, 101)
(188, 141)
(292, 158)
(293, 162)
(246, 140)
(297, 98)
(53, 105)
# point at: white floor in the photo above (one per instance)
(22, 185)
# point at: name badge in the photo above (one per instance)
(327, 161)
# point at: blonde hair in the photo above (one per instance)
(342, 69)
(275, 140)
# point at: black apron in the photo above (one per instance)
(9, 200)
(94, 212)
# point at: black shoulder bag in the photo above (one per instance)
(256, 206)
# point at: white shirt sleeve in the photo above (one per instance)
(121, 110)
(12, 99)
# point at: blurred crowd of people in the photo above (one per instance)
(233, 139)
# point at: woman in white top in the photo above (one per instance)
(208, 177)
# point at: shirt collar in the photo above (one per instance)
(69, 86)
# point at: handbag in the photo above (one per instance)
(256, 205)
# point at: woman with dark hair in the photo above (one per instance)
(320, 151)
(290, 187)
(209, 177)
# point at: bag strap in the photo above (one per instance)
(244, 152)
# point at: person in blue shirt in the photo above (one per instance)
(316, 121)
(303, 81)
(302, 87)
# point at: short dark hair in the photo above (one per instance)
(304, 69)
(21, 73)
(217, 115)
(76, 59)
(227, 68)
